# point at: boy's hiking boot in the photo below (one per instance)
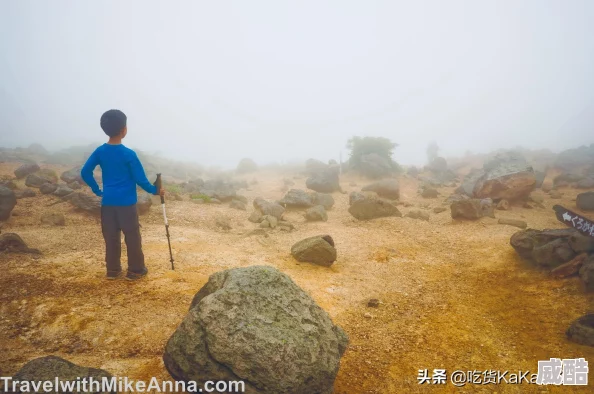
(136, 275)
(111, 275)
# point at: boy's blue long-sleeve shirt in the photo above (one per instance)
(121, 172)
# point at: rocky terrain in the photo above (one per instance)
(421, 270)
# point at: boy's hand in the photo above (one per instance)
(161, 192)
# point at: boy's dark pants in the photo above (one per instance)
(114, 220)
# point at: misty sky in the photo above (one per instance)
(215, 81)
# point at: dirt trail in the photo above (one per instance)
(454, 295)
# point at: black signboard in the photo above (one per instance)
(572, 219)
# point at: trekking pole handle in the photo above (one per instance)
(159, 185)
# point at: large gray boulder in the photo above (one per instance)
(7, 202)
(26, 193)
(507, 176)
(469, 182)
(472, 208)
(316, 214)
(48, 188)
(324, 181)
(85, 202)
(581, 330)
(549, 248)
(35, 180)
(62, 191)
(585, 201)
(298, 199)
(319, 250)
(268, 208)
(50, 368)
(386, 188)
(375, 166)
(26, 169)
(72, 175)
(256, 325)
(371, 207)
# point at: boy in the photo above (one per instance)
(121, 172)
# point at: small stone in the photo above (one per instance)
(373, 303)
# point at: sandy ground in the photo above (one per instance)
(454, 295)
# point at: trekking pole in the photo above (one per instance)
(159, 185)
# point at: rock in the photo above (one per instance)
(513, 222)
(325, 181)
(581, 243)
(386, 188)
(506, 176)
(236, 204)
(13, 243)
(375, 166)
(503, 205)
(417, 214)
(326, 200)
(72, 175)
(271, 220)
(373, 303)
(455, 198)
(61, 190)
(241, 198)
(48, 188)
(284, 225)
(373, 207)
(316, 214)
(525, 241)
(223, 222)
(318, 250)
(527, 205)
(7, 202)
(297, 199)
(429, 192)
(269, 208)
(53, 219)
(355, 197)
(582, 330)
(553, 254)
(439, 209)
(75, 185)
(587, 273)
(469, 182)
(585, 201)
(438, 164)
(52, 368)
(264, 223)
(246, 166)
(215, 201)
(34, 180)
(256, 325)
(471, 209)
(256, 216)
(26, 169)
(91, 204)
(574, 158)
(536, 198)
(175, 196)
(48, 174)
(413, 172)
(144, 203)
(9, 183)
(27, 193)
(586, 183)
(571, 267)
(37, 149)
(547, 186)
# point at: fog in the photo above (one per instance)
(215, 81)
